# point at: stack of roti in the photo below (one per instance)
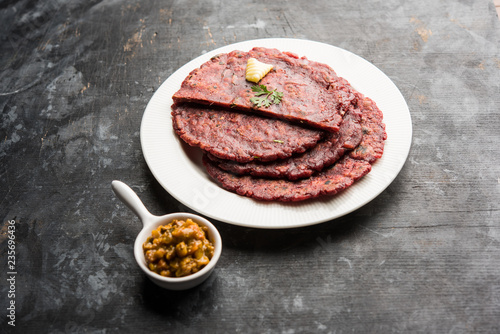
(297, 133)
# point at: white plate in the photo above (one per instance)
(178, 168)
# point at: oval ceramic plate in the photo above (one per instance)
(178, 167)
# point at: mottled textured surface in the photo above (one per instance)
(424, 256)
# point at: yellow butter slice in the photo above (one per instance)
(256, 70)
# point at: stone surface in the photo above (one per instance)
(75, 77)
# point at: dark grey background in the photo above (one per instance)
(75, 78)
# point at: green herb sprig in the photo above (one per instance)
(264, 97)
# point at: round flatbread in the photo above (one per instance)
(238, 136)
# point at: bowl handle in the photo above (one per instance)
(130, 198)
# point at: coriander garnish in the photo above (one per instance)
(266, 97)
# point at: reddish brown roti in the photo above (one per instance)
(312, 93)
(241, 137)
(330, 181)
(327, 152)
(371, 147)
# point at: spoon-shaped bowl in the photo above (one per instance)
(151, 222)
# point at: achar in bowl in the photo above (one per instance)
(178, 249)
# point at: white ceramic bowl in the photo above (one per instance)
(151, 222)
